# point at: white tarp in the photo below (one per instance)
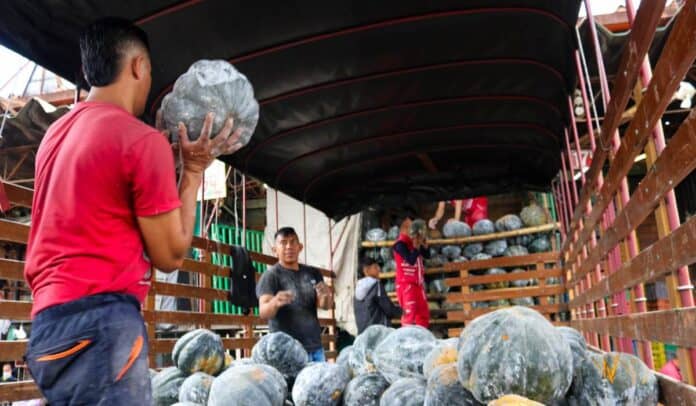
(345, 237)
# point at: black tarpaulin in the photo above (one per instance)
(362, 103)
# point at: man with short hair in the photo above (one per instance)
(372, 304)
(289, 294)
(106, 209)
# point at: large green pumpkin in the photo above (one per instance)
(497, 285)
(405, 392)
(515, 251)
(540, 244)
(444, 389)
(365, 390)
(631, 381)
(508, 222)
(514, 350)
(577, 344)
(249, 385)
(401, 353)
(282, 352)
(320, 384)
(344, 357)
(361, 360)
(445, 352)
(165, 386)
(196, 388)
(589, 387)
(533, 215)
(199, 350)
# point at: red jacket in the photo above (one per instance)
(406, 273)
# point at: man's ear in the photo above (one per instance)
(301, 247)
(138, 66)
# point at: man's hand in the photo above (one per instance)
(198, 155)
(432, 223)
(283, 298)
(451, 220)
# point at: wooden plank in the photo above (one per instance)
(507, 293)
(473, 313)
(477, 238)
(15, 310)
(204, 268)
(180, 317)
(181, 290)
(483, 279)
(504, 262)
(663, 257)
(673, 392)
(674, 326)
(639, 41)
(11, 231)
(13, 350)
(11, 269)
(675, 61)
(18, 195)
(17, 391)
(675, 163)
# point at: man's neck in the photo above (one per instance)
(295, 266)
(110, 94)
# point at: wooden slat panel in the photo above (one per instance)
(504, 262)
(673, 392)
(16, 391)
(179, 317)
(675, 61)
(18, 195)
(483, 279)
(640, 37)
(508, 293)
(465, 316)
(11, 269)
(663, 257)
(180, 290)
(12, 350)
(675, 163)
(204, 268)
(14, 310)
(11, 231)
(674, 326)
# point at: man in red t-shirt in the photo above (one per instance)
(474, 209)
(106, 210)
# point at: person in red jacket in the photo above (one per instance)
(474, 209)
(409, 252)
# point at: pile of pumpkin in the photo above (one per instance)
(512, 356)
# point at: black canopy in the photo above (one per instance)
(362, 103)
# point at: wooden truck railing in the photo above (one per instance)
(203, 293)
(604, 266)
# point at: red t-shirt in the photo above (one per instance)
(97, 168)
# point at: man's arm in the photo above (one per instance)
(457, 210)
(410, 256)
(438, 215)
(168, 235)
(270, 304)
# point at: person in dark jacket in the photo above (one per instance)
(372, 305)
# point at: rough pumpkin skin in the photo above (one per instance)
(361, 359)
(401, 353)
(365, 390)
(444, 353)
(199, 350)
(249, 385)
(514, 350)
(444, 388)
(320, 384)
(404, 392)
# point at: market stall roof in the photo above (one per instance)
(362, 103)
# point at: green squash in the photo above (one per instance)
(589, 387)
(320, 384)
(188, 404)
(515, 251)
(481, 256)
(508, 222)
(483, 227)
(165, 386)
(199, 350)
(344, 357)
(365, 390)
(499, 303)
(445, 352)
(522, 301)
(470, 250)
(497, 285)
(514, 350)
(444, 389)
(631, 381)
(533, 215)
(577, 344)
(405, 392)
(282, 352)
(496, 248)
(249, 385)
(361, 360)
(196, 388)
(540, 244)
(454, 229)
(520, 283)
(401, 353)
(418, 229)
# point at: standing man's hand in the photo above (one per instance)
(283, 298)
(199, 154)
(432, 223)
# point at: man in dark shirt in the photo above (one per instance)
(409, 251)
(372, 304)
(289, 295)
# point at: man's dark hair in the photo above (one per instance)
(367, 261)
(285, 232)
(103, 46)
